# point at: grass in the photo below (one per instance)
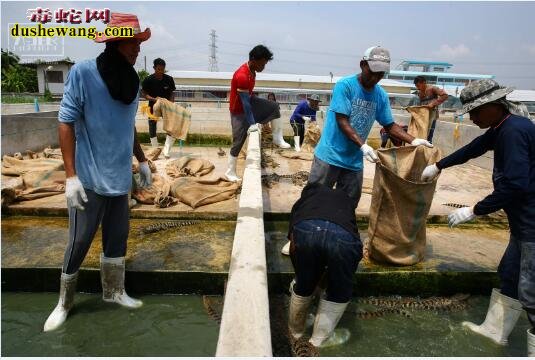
(21, 99)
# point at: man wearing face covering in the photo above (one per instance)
(97, 137)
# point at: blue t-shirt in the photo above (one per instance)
(362, 107)
(104, 130)
(302, 109)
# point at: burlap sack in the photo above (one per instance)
(400, 204)
(199, 192)
(187, 166)
(264, 110)
(420, 122)
(176, 119)
(39, 184)
(291, 154)
(14, 167)
(312, 137)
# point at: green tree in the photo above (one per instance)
(142, 75)
(17, 77)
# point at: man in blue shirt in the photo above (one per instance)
(305, 110)
(357, 101)
(97, 137)
(511, 135)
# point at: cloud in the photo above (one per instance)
(452, 52)
(530, 49)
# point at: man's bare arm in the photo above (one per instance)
(397, 131)
(138, 152)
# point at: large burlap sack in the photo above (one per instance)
(400, 204)
(176, 118)
(312, 137)
(420, 122)
(14, 167)
(39, 184)
(188, 166)
(264, 110)
(291, 154)
(199, 192)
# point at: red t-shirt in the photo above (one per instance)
(242, 79)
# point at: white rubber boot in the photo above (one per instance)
(154, 141)
(298, 313)
(278, 139)
(327, 317)
(230, 174)
(286, 249)
(112, 278)
(67, 290)
(169, 141)
(297, 146)
(501, 318)
(531, 342)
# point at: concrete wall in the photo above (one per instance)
(9, 109)
(32, 131)
(245, 328)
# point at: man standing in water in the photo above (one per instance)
(97, 136)
(511, 135)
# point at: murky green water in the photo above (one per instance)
(164, 326)
(426, 333)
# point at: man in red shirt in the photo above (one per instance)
(242, 104)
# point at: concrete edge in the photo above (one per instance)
(245, 326)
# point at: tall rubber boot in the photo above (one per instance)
(327, 317)
(531, 342)
(297, 146)
(154, 141)
(169, 141)
(298, 312)
(230, 174)
(278, 139)
(67, 290)
(112, 278)
(501, 318)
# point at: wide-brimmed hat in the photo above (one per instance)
(481, 92)
(314, 97)
(378, 59)
(119, 20)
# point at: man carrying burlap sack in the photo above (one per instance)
(430, 97)
(511, 135)
(247, 111)
(357, 101)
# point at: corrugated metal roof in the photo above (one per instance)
(221, 75)
(522, 95)
(46, 62)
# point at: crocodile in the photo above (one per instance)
(159, 226)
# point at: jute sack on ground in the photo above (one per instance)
(176, 118)
(420, 122)
(199, 192)
(400, 204)
(291, 154)
(188, 166)
(15, 167)
(312, 137)
(39, 184)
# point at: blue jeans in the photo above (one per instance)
(517, 274)
(346, 180)
(319, 247)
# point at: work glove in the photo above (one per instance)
(369, 153)
(306, 118)
(417, 142)
(145, 175)
(252, 128)
(460, 216)
(430, 172)
(75, 193)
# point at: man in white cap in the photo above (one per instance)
(97, 136)
(356, 103)
(511, 135)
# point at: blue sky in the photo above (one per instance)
(321, 37)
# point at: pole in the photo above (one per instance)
(145, 59)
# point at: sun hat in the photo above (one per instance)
(118, 20)
(481, 92)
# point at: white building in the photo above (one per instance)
(51, 75)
